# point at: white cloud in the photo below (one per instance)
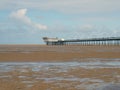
(40, 26)
(20, 16)
(66, 6)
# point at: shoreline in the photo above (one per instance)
(58, 67)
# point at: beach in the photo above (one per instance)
(56, 53)
(73, 67)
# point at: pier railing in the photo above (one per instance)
(91, 41)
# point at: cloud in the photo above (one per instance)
(94, 31)
(87, 27)
(65, 18)
(21, 17)
(66, 6)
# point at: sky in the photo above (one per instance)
(27, 21)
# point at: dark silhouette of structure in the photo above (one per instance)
(91, 41)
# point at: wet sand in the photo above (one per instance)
(58, 76)
(56, 53)
(40, 67)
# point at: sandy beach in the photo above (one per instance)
(56, 53)
(41, 67)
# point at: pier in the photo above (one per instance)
(90, 41)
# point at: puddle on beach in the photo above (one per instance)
(87, 75)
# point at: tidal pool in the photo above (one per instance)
(88, 75)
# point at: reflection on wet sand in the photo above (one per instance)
(93, 74)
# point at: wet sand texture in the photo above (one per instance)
(56, 53)
(57, 76)
(110, 87)
(40, 67)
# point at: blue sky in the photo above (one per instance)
(27, 21)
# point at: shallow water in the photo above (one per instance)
(59, 66)
(86, 75)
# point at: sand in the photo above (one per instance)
(56, 53)
(41, 67)
(56, 76)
